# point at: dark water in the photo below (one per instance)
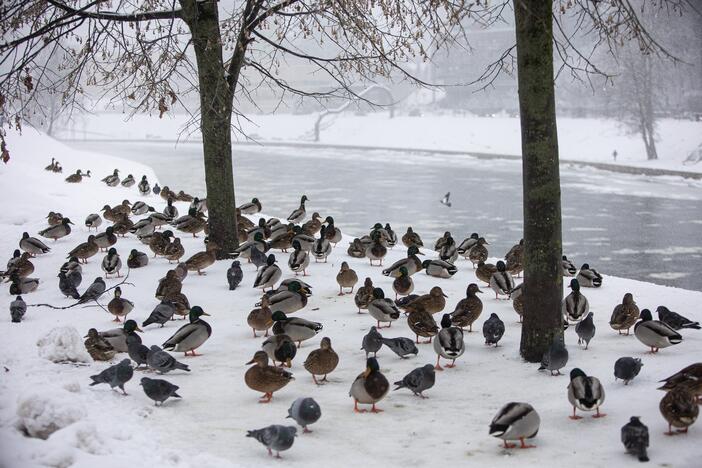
(630, 226)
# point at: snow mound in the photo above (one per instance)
(41, 415)
(63, 344)
(83, 436)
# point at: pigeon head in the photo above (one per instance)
(278, 316)
(145, 380)
(236, 263)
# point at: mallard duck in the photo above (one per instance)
(448, 343)
(364, 295)
(122, 226)
(575, 306)
(382, 309)
(117, 337)
(22, 285)
(280, 348)
(54, 219)
(119, 306)
(299, 260)
(252, 207)
(392, 235)
(321, 248)
(192, 224)
(422, 323)
(191, 335)
(264, 378)
(501, 282)
(689, 377)
(268, 275)
(32, 245)
(243, 221)
(332, 233)
(85, 250)
(165, 192)
(202, 260)
(290, 300)
(137, 259)
(624, 315)
(159, 242)
(306, 241)
(356, 249)
(283, 239)
(170, 211)
(376, 250)
(168, 286)
(434, 302)
(589, 277)
(262, 228)
(128, 181)
(106, 239)
(515, 421)
(111, 263)
(19, 265)
(98, 347)
(370, 387)
(411, 263)
(467, 244)
(655, 334)
(568, 267)
(439, 268)
(143, 227)
(75, 178)
(312, 226)
(403, 284)
(675, 320)
(321, 361)
(679, 408)
(478, 253)
(93, 220)
(200, 204)
(411, 238)
(346, 278)
(441, 241)
(298, 329)
(112, 180)
(448, 252)
(180, 302)
(513, 259)
(51, 166)
(484, 271)
(261, 318)
(468, 309)
(184, 197)
(244, 250)
(384, 236)
(123, 209)
(144, 187)
(299, 214)
(585, 393)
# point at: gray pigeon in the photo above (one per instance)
(401, 346)
(493, 329)
(162, 362)
(585, 330)
(674, 320)
(257, 257)
(635, 438)
(67, 287)
(159, 390)
(93, 292)
(234, 275)
(555, 358)
(626, 368)
(420, 379)
(305, 411)
(17, 309)
(137, 351)
(275, 437)
(115, 376)
(161, 314)
(372, 342)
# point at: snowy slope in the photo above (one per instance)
(207, 427)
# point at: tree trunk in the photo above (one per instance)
(215, 122)
(543, 281)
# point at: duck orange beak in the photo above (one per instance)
(288, 362)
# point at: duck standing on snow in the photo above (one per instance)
(57, 231)
(32, 245)
(468, 309)
(19, 265)
(93, 220)
(585, 330)
(321, 248)
(332, 233)
(411, 238)
(202, 260)
(382, 309)
(392, 236)
(634, 436)
(111, 263)
(418, 380)
(479, 252)
(585, 393)
(449, 343)
(501, 282)
(370, 387)
(144, 187)
(356, 249)
(493, 329)
(290, 300)
(680, 409)
(268, 275)
(589, 277)
(655, 334)
(264, 378)
(411, 263)
(112, 180)
(422, 323)
(106, 239)
(439, 268)
(484, 272)
(675, 320)
(322, 361)
(346, 278)
(442, 241)
(119, 306)
(625, 314)
(170, 211)
(626, 368)
(298, 215)
(376, 250)
(403, 284)
(364, 295)
(190, 336)
(298, 329)
(514, 258)
(313, 226)
(174, 251)
(515, 421)
(299, 259)
(575, 306)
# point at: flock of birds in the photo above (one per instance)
(315, 238)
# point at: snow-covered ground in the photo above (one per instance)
(587, 139)
(99, 427)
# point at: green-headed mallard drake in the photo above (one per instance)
(478, 253)
(117, 337)
(356, 249)
(170, 211)
(290, 300)
(244, 250)
(468, 309)
(434, 302)
(689, 378)
(119, 306)
(449, 343)
(655, 334)
(137, 259)
(679, 408)
(268, 275)
(298, 329)
(280, 348)
(20, 286)
(332, 233)
(112, 180)
(262, 228)
(321, 248)
(75, 178)
(54, 219)
(448, 251)
(370, 387)
(467, 244)
(85, 250)
(411, 238)
(174, 251)
(346, 278)
(484, 271)
(411, 263)
(264, 378)
(441, 241)
(106, 239)
(312, 226)
(624, 315)
(93, 220)
(32, 245)
(322, 361)
(403, 284)
(159, 241)
(202, 260)
(516, 421)
(568, 267)
(18, 265)
(111, 263)
(298, 215)
(98, 347)
(439, 268)
(144, 187)
(392, 235)
(422, 323)
(299, 260)
(364, 295)
(128, 181)
(513, 259)
(382, 309)
(191, 335)
(306, 241)
(376, 250)
(261, 318)
(585, 393)
(575, 306)
(252, 207)
(589, 277)
(168, 286)
(501, 282)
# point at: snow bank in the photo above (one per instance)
(63, 344)
(40, 415)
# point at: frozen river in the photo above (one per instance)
(632, 226)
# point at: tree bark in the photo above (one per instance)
(543, 281)
(215, 122)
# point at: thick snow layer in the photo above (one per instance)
(208, 426)
(40, 415)
(63, 344)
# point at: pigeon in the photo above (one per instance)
(66, 286)
(115, 376)
(626, 368)
(162, 362)
(156, 189)
(161, 314)
(234, 275)
(420, 379)
(305, 411)
(137, 351)
(257, 257)
(401, 346)
(446, 200)
(635, 438)
(275, 437)
(93, 292)
(17, 309)
(675, 320)
(372, 342)
(159, 390)
(493, 329)
(555, 358)
(585, 330)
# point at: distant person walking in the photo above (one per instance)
(614, 155)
